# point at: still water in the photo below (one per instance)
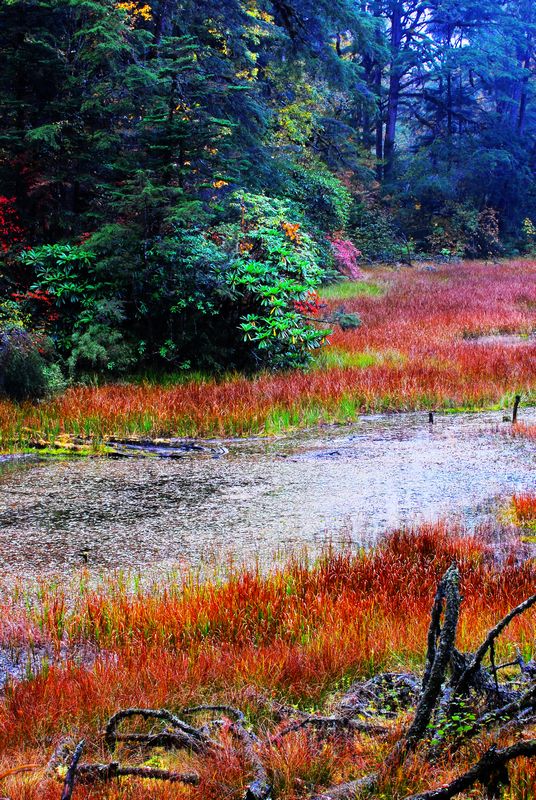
(259, 497)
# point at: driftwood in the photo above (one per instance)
(438, 700)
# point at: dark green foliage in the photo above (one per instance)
(22, 368)
(322, 196)
(347, 321)
(373, 231)
(155, 158)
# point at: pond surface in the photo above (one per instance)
(258, 497)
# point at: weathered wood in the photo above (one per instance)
(464, 682)
(350, 790)
(230, 710)
(332, 723)
(517, 401)
(193, 739)
(491, 771)
(70, 778)
(525, 702)
(448, 591)
(103, 773)
(260, 787)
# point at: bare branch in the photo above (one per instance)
(70, 778)
(192, 738)
(490, 770)
(465, 679)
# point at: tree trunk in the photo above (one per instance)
(394, 90)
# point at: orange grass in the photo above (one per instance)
(424, 325)
(525, 507)
(302, 632)
(524, 431)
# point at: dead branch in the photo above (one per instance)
(103, 773)
(332, 723)
(525, 702)
(70, 778)
(448, 594)
(350, 790)
(18, 770)
(464, 682)
(184, 735)
(170, 740)
(434, 632)
(260, 787)
(238, 715)
(491, 771)
(280, 710)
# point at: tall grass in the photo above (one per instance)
(302, 633)
(414, 350)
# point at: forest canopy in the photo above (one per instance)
(178, 177)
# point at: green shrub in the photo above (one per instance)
(274, 276)
(373, 233)
(99, 348)
(65, 272)
(322, 196)
(22, 367)
(56, 383)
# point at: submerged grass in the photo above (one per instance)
(302, 633)
(411, 352)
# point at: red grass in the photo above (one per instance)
(428, 318)
(524, 507)
(299, 632)
(524, 431)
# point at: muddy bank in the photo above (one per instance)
(255, 497)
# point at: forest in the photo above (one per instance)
(177, 179)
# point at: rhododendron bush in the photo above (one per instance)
(346, 257)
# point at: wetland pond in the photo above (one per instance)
(259, 497)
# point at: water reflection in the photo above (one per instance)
(352, 482)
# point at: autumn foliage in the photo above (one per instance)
(11, 232)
